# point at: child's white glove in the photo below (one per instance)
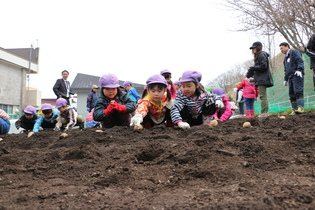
(136, 120)
(22, 130)
(30, 134)
(66, 128)
(183, 125)
(219, 104)
(56, 128)
(169, 104)
(235, 90)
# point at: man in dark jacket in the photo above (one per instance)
(310, 51)
(92, 98)
(262, 75)
(294, 76)
(62, 87)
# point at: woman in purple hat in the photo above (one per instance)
(193, 105)
(113, 107)
(154, 108)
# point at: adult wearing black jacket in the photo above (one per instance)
(310, 51)
(262, 75)
(62, 87)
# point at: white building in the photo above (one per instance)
(15, 66)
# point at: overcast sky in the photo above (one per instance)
(133, 39)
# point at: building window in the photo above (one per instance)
(7, 108)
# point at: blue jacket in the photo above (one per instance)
(293, 62)
(42, 118)
(4, 126)
(91, 100)
(133, 94)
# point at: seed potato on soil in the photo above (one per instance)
(270, 166)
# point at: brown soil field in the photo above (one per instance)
(267, 166)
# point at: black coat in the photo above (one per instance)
(262, 74)
(310, 50)
(60, 88)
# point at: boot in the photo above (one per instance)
(300, 110)
(293, 112)
(248, 113)
(300, 106)
(252, 113)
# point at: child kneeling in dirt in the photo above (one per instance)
(67, 117)
(193, 105)
(4, 122)
(113, 108)
(223, 114)
(154, 108)
(47, 118)
(27, 121)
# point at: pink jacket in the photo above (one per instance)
(228, 109)
(172, 89)
(249, 91)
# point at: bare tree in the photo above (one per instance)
(294, 19)
(228, 79)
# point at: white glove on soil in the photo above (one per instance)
(30, 134)
(298, 73)
(136, 120)
(22, 130)
(183, 125)
(285, 83)
(219, 104)
(169, 104)
(56, 128)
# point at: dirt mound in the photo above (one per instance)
(267, 166)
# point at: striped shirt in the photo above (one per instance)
(194, 105)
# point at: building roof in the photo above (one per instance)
(25, 53)
(21, 57)
(84, 82)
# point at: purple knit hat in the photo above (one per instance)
(126, 83)
(61, 102)
(109, 81)
(157, 78)
(219, 92)
(29, 110)
(46, 106)
(165, 71)
(191, 76)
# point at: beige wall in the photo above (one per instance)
(12, 88)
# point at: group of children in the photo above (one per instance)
(183, 103)
(62, 117)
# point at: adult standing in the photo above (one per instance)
(62, 87)
(262, 75)
(92, 98)
(294, 77)
(310, 51)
